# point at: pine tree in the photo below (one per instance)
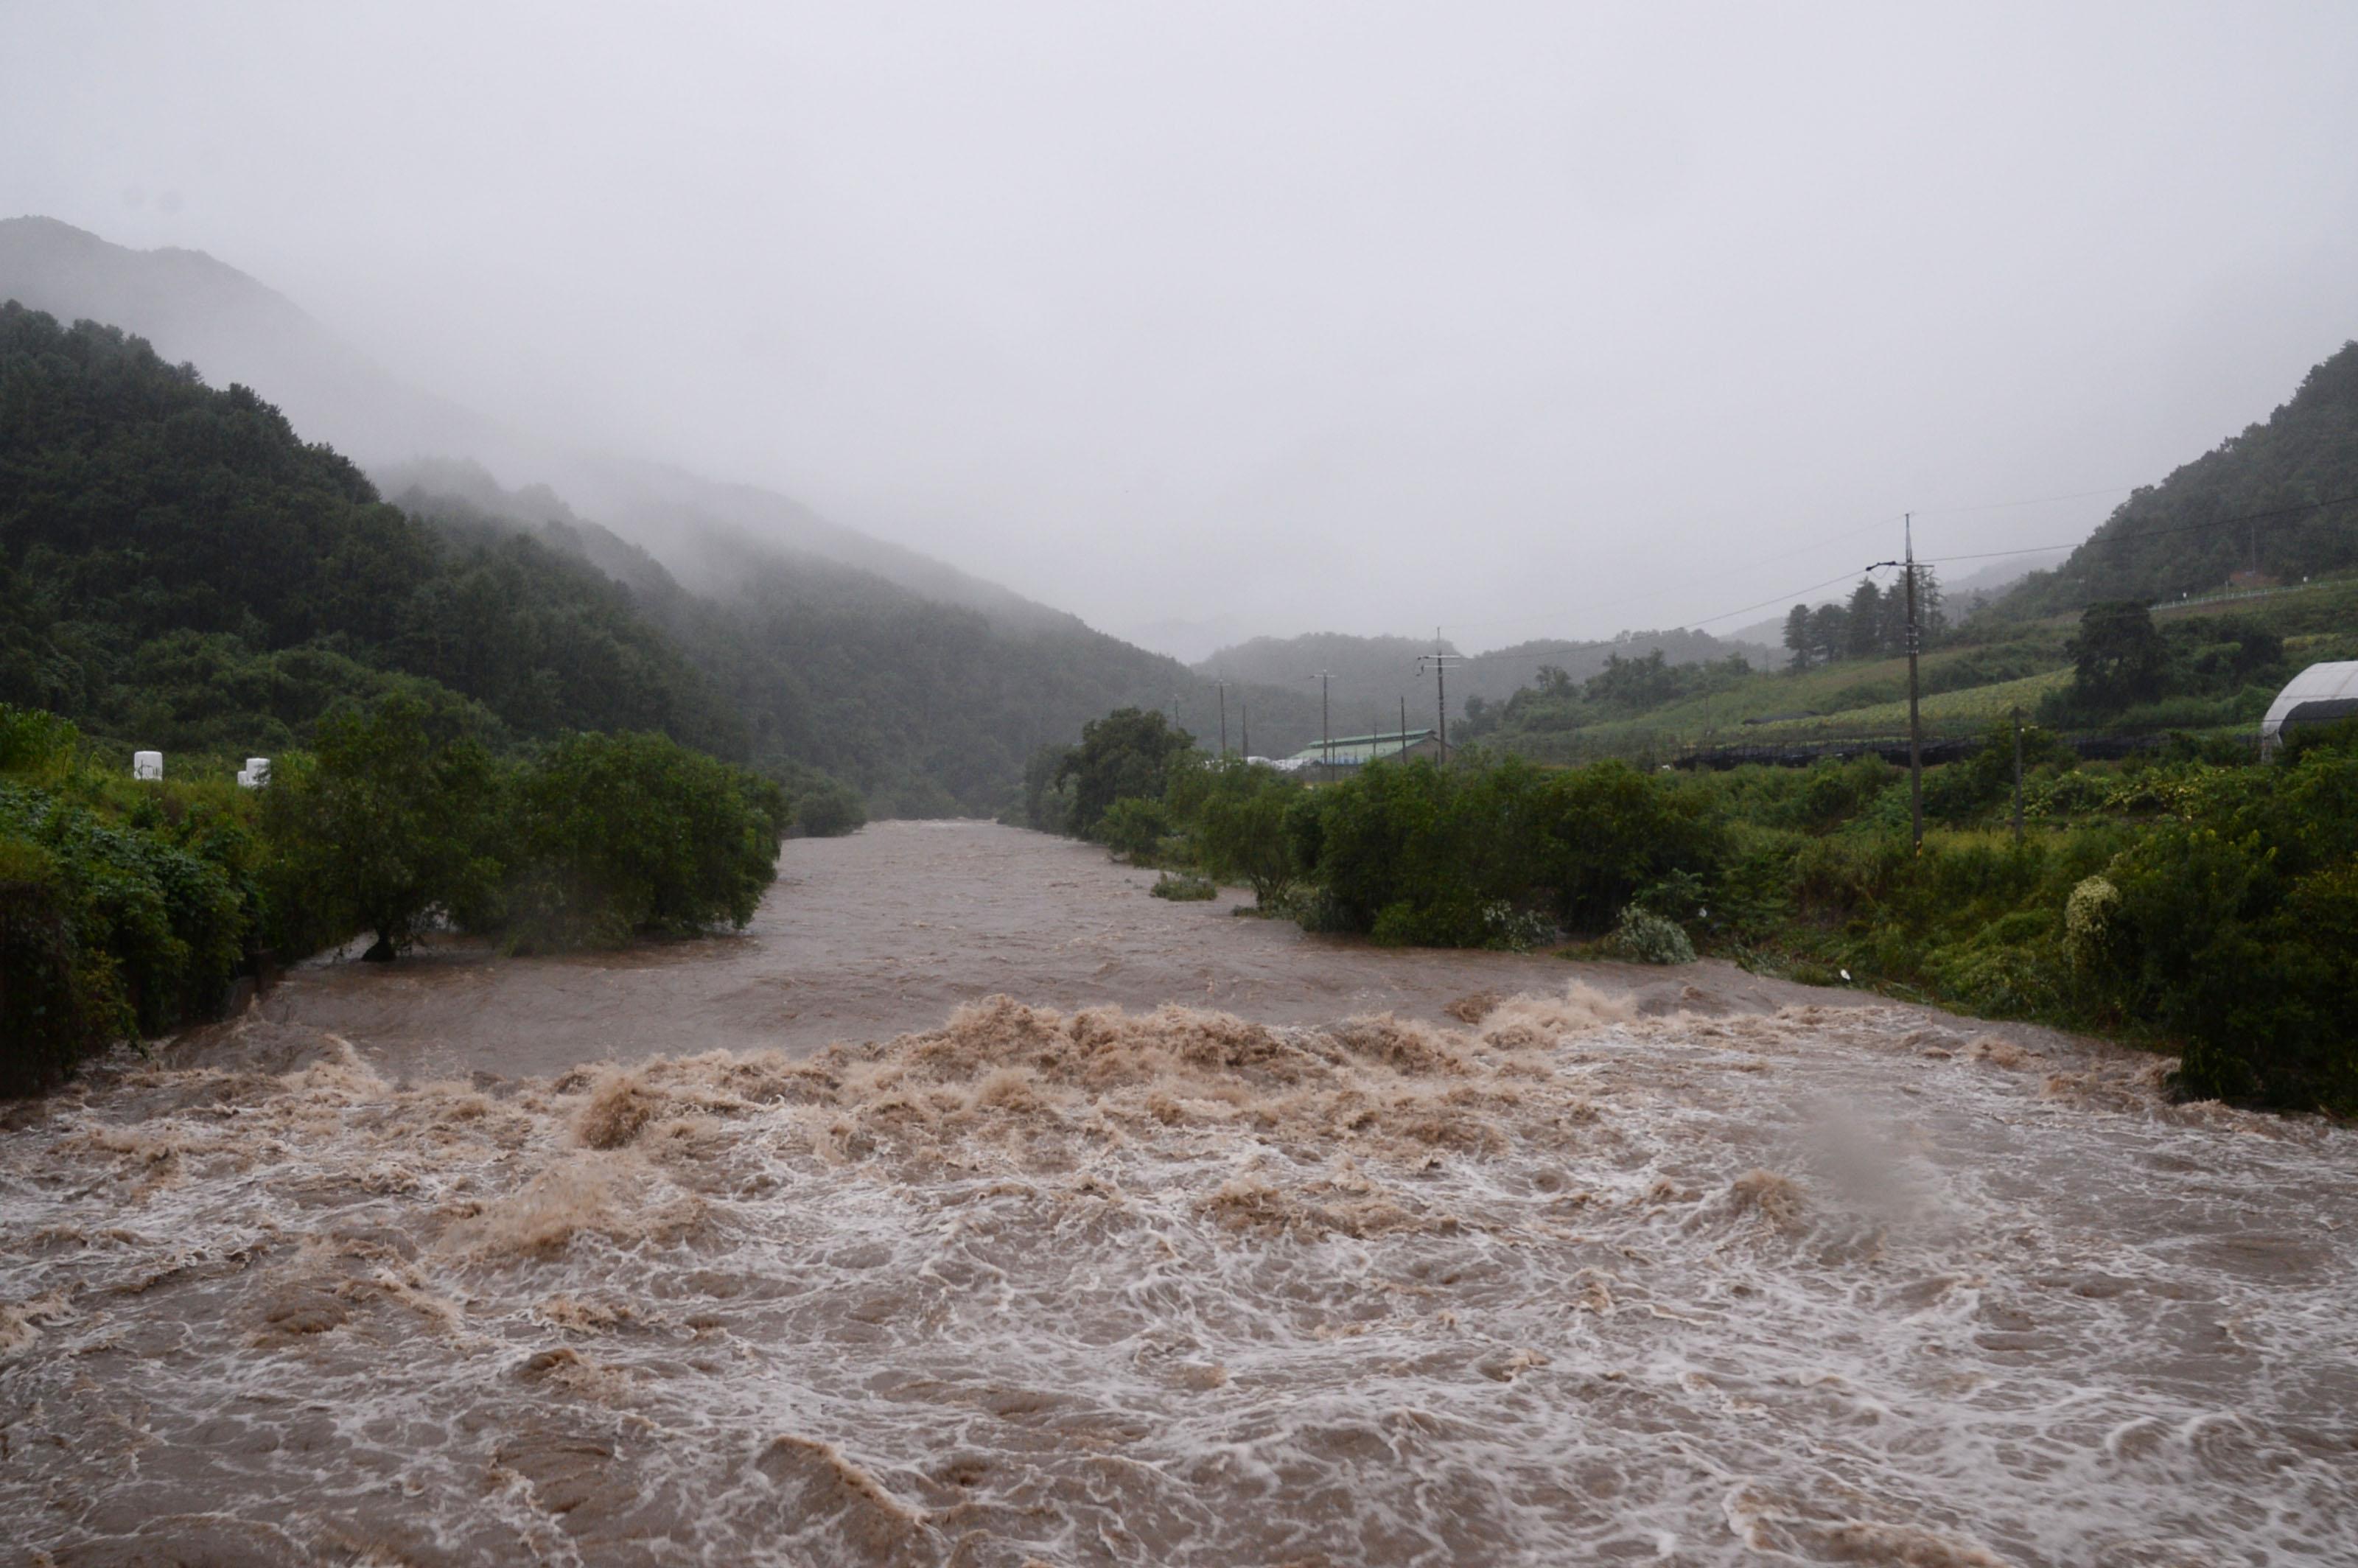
(1829, 632)
(1863, 627)
(1891, 626)
(1796, 637)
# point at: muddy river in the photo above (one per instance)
(974, 1208)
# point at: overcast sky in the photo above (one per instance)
(1521, 320)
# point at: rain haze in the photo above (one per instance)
(1030, 785)
(1519, 321)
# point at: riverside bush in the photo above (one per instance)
(2195, 900)
(1184, 888)
(1239, 810)
(1418, 853)
(125, 909)
(128, 907)
(1134, 828)
(1643, 937)
(617, 836)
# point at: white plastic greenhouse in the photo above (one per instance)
(2319, 695)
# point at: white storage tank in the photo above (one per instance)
(146, 764)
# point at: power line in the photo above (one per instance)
(2028, 500)
(2163, 532)
(1577, 610)
(1783, 598)
(2261, 516)
(1440, 662)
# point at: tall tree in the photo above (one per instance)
(1932, 607)
(1796, 637)
(1829, 632)
(2118, 657)
(1863, 626)
(1125, 755)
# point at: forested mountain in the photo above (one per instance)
(235, 330)
(1371, 676)
(754, 628)
(177, 566)
(926, 708)
(2171, 538)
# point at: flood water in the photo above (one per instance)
(1215, 1244)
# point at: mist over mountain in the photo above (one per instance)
(927, 708)
(184, 567)
(235, 330)
(1371, 677)
(2183, 537)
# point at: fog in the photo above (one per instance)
(1515, 320)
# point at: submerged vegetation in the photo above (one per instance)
(2195, 899)
(129, 907)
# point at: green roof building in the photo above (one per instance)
(1354, 751)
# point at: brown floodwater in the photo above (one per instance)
(1217, 1244)
(885, 932)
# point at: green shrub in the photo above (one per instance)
(1418, 853)
(59, 1002)
(2237, 932)
(830, 810)
(389, 825)
(114, 928)
(1134, 828)
(1642, 937)
(616, 835)
(32, 739)
(2092, 925)
(1240, 828)
(1184, 888)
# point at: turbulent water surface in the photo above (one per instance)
(1299, 1265)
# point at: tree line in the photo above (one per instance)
(129, 907)
(1872, 626)
(2196, 899)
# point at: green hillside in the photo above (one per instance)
(926, 708)
(178, 568)
(2178, 536)
(2216, 657)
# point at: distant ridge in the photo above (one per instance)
(2181, 535)
(233, 328)
(1374, 675)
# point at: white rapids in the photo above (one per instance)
(1564, 1284)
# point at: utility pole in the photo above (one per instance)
(1440, 662)
(1246, 708)
(1326, 732)
(1223, 686)
(2018, 775)
(1915, 726)
(1403, 727)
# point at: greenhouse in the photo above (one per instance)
(2320, 694)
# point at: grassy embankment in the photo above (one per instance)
(2195, 900)
(1966, 686)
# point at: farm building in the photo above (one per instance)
(2320, 694)
(1352, 750)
